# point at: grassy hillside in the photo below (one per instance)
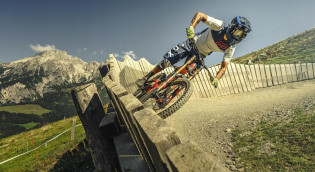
(20, 118)
(28, 125)
(285, 145)
(49, 155)
(26, 109)
(299, 48)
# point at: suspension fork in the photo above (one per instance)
(194, 74)
(198, 70)
(171, 78)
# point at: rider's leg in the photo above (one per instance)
(170, 58)
(158, 68)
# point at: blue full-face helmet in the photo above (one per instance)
(238, 29)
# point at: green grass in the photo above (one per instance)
(26, 109)
(28, 125)
(278, 146)
(48, 155)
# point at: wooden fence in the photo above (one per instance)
(158, 147)
(156, 143)
(237, 79)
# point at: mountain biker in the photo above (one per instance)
(215, 38)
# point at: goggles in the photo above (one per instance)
(240, 33)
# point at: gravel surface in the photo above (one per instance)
(210, 122)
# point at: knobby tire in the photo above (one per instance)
(180, 100)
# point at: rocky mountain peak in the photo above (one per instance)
(36, 75)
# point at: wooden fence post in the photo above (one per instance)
(90, 110)
(73, 129)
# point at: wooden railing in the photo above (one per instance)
(157, 143)
(238, 78)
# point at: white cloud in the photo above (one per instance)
(94, 53)
(129, 53)
(101, 51)
(82, 49)
(39, 48)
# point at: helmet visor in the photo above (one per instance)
(239, 34)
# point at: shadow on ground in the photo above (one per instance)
(78, 159)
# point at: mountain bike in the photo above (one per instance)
(170, 92)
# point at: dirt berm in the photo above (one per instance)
(210, 122)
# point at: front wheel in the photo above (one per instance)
(173, 97)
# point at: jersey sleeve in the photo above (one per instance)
(214, 24)
(228, 53)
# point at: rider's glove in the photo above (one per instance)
(215, 82)
(190, 32)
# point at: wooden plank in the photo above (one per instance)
(199, 89)
(237, 78)
(241, 77)
(123, 75)
(258, 75)
(310, 71)
(221, 85)
(298, 69)
(245, 77)
(284, 73)
(273, 73)
(195, 84)
(288, 72)
(213, 73)
(130, 105)
(227, 85)
(90, 111)
(304, 71)
(253, 75)
(203, 83)
(128, 155)
(268, 75)
(133, 72)
(231, 80)
(206, 77)
(263, 75)
(250, 78)
(279, 73)
(145, 69)
(189, 157)
(293, 72)
(157, 135)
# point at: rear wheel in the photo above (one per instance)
(180, 89)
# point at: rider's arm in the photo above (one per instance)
(226, 60)
(222, 70)
(215, 24)
(199, 16)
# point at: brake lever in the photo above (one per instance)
(207, 69)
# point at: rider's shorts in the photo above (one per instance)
(181, 51)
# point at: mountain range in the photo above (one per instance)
(44, 79)
(30, 78)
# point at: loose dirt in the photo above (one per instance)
(210, 122)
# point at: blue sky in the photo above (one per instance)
(94, 29)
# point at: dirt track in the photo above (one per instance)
(209, 122)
